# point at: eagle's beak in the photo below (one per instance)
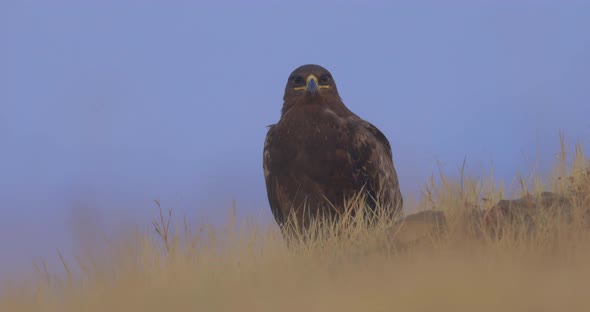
(312, 84)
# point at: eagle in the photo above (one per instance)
(320, 156)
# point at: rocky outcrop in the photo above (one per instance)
(525, 214)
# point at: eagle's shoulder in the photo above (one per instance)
(375, 134)
(270, 128)
(270, 133)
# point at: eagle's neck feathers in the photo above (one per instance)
(316, 105)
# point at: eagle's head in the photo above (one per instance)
(309, 82)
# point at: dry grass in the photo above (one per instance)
(247, 267)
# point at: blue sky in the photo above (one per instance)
(106, 106)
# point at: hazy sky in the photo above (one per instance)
(108, 105)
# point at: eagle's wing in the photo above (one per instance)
(376, 164)
(272, 188)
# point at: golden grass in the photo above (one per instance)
(246, 266)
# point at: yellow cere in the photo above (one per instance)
(310, 77)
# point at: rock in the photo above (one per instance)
(526, 212)
(418, 227)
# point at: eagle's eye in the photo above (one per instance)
(325, 79)
(297, 80)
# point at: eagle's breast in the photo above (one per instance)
(323, 139)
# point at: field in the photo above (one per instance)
(247, 266)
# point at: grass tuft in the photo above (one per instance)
(460, 249)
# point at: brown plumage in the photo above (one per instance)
(319, 154)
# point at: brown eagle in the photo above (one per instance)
(320, 154)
